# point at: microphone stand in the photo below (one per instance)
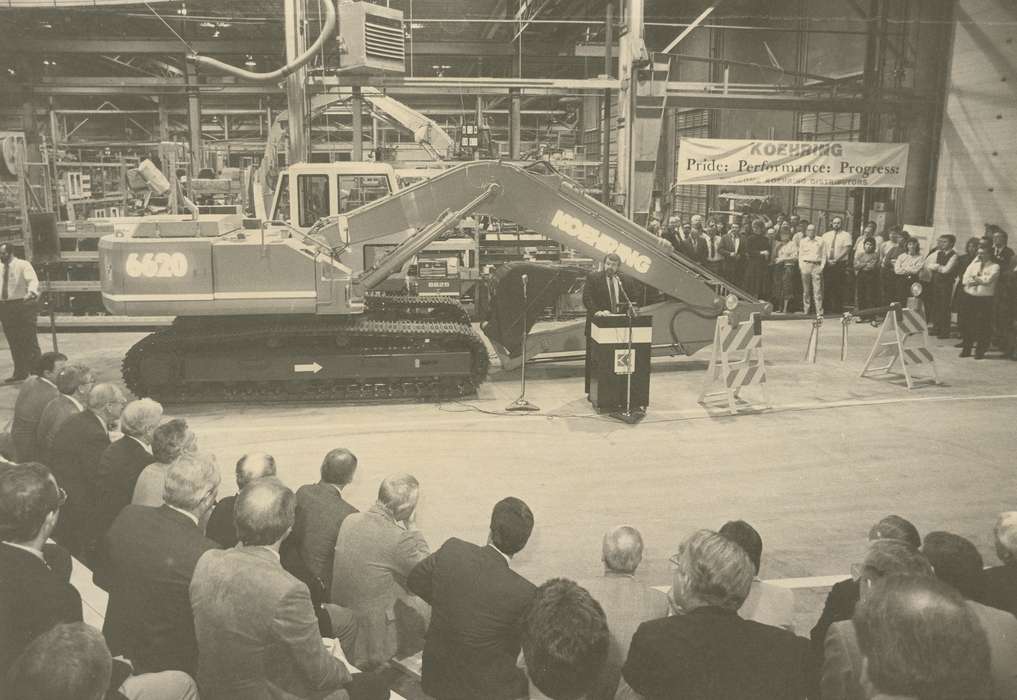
(521, 404)
(628, 415)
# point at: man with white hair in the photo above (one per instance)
(627, 602)
(1001, 581)
(74, 458)
(374, 553)
(146, 561)
(708, 651)
(122, 462)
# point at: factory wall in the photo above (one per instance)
(976, 180)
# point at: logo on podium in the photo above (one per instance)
(624, 361)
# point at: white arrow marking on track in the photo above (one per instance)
(313, 368)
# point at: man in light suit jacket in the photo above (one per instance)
(374, 553)
(37, 391)
(74, 459)
(74, 382)
(626, 602)
(146, 561)
(123, 461)
(321, 511)
(732, 249)
(477, 606)
(257, 634)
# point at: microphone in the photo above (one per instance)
(631, 307)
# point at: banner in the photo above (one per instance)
(791, 163)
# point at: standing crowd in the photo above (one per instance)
(790, 263)
(263, 595)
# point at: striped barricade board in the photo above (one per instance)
(904, 337)
(736, 361)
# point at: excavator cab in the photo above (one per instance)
(307, 192)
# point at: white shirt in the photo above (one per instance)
(273, 551)
(812, 250)
(508, 559)
(30, 550)
(21, 279)
(613, 290)
(192, 516)
(980, 278)
(838, 243)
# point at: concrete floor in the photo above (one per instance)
(835, 454)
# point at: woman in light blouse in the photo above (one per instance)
(907, 267)
(787, 269)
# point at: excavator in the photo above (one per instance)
(266, 311)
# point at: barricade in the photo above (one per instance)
(736, 361)
(903, 336)
(813, 346)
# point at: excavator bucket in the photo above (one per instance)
(544, 284)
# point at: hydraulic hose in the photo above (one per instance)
(327, 31)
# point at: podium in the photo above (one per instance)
(611, 364)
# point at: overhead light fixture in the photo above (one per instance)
(45, 25)
(250, 62)
(207, 25)
(11, 72)
(182, 9)
(417, 25)
(216, 34)
(223, 25)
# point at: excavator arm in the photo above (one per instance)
(540, 199)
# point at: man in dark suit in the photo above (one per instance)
(37, 391)
(32, 597)
(604, 293)
(321, 511)
(732, 250)
(74, 382)
(123, 461)
(1001, 581)
(257, 635)
(708, 651)
(221, 527)
(77, 449)
(146, 561)
(477, 605)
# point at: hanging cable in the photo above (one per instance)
(160, 18)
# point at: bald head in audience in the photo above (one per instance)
(1006, 537)
(256, 465)
(264, 512)
(623, 550)
(107, 402)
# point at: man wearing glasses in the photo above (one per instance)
(707, 650)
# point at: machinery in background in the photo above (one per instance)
(267, 311)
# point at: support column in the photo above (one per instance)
(357, 108)
(296, 97)
(605, 117)
(631, 46)
(164, 134)
(515, 128)
(193, 117)
(479, 118)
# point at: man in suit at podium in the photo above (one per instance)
(604, 293)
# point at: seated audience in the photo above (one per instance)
(170, 440)
(477, 603)
(69, 662)
(1001, 581)
(920, 641)
(374, 553)
(841, 601)
(37, 391)
(321, 509)
(956, 561)
(32, 597)
(74, 382)
(565, 642)
(842, 660)
(221, 526)
(708, 651)
(146, 562)
(74, 459)
(626, 602)
(256, 629)
(123, 461)
(766, 603)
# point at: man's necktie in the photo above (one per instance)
(612, 293)
(3, 293)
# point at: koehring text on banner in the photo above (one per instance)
(791, 163)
